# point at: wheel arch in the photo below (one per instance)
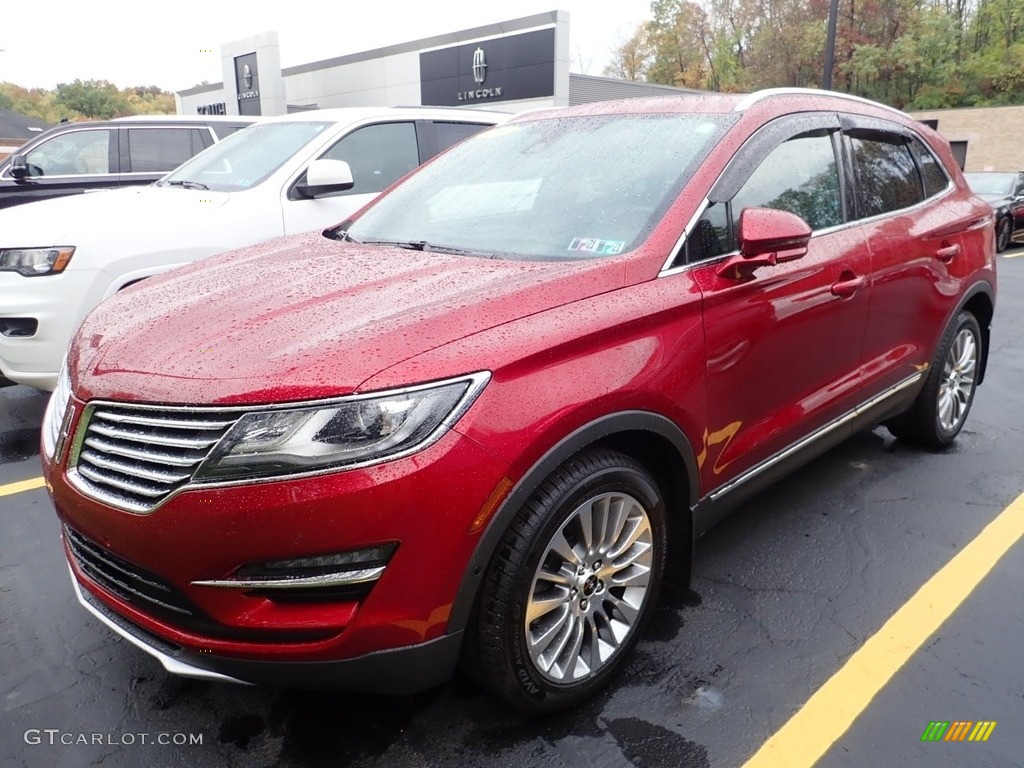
(651, 439)
(979, 301)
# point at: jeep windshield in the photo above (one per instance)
(550, 189)
(245, 158)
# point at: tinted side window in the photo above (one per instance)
(710, 236)
(379, 155)
(449, 134)
(155, 150)
(77, 153)
(931, 170)
(887, 178)
(800, 176)
(1018, 190)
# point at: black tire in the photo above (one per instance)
(596, 613)
(940, 410)
(1004, 231)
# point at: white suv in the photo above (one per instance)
(282, 176)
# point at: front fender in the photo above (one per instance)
(600, 430)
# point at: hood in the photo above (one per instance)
(994, 200)
(305, 317)
(72, 219)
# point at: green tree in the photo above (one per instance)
(96, 99)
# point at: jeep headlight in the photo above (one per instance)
(356, 430)
(32, 262)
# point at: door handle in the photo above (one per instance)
(848, 286)
(947, 253)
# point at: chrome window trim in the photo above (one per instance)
(805, 441)
(477, 381)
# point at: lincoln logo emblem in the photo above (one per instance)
(479, 66)
(247, 77)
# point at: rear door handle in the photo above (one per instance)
(947, 253)
(848, 286)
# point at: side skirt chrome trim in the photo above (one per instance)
(785, 453)
(171, 664)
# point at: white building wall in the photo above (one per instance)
(388, 81)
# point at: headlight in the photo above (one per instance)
(32, 262)
(56, 410)
(360, 429)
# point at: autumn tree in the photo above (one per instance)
(908, 53)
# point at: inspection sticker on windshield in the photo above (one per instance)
(594, 245)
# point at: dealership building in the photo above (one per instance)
(510, 65)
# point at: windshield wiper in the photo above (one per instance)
(186, 184)
(341, 234)
(423, 245)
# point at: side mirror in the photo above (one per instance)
(324, 177)
(767, 237)
(19, 167)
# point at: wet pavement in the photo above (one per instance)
(786, 589)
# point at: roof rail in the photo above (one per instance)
(750, 99)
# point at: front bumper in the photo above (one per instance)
(399, 672)
(57, 303)
(428, 503)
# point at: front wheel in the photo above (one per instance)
(940, 410)
(572, 584)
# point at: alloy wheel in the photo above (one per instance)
(958, 380)
(589, 587)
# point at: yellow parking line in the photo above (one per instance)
(24, 485)
(832, 709)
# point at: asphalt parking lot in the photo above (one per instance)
(787, 590)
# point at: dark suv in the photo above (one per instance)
(79, 157)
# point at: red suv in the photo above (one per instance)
(477, 420)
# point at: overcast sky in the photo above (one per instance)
(163, 43)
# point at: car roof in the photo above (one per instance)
(770, 100)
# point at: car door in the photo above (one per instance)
(914, 231)
(784, 345)
(71, 162)
(378, 154)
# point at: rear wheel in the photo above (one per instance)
(941, 409)
(572, 584)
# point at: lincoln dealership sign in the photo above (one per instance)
(247, 84)
(502, 69)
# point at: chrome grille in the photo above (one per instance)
(134, 457)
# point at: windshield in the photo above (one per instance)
(245, 158)
(563, 188)
(991, 183)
